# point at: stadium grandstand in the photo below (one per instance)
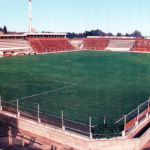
(15, 47)
(37, 43)
(31, 43)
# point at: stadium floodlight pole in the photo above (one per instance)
(90, 127)
(30, 17)
(38, 111)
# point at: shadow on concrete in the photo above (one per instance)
(8, 133)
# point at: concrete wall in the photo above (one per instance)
(70, 139)
(115, 144)
(144, 138)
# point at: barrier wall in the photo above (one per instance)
(144, 138)
(70, 139)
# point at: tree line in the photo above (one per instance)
(98, 32)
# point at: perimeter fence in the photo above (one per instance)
(127, 122)
(61, 122)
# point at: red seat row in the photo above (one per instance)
(96, 43)
(41, 45)
(141, 45)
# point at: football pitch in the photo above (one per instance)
(82, 84)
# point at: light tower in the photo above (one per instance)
(30, 18)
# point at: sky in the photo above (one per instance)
(113, 16)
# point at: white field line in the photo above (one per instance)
(47, 92)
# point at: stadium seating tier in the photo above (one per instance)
(41, 45)
(96, 43)
(142, 45)
(120, 45)
(15, 47)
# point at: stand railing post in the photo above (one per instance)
(18, 113)
(137, 121)
(90, 127)
(62, 120)
(39, 120)
(38, 113)
(138, 112)
(147, 114)
(0, 103)
(125, 120)
(148, 105)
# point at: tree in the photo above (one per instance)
(98, 32)
(86, 33)
(136, 33)
(109, 34)
(5, 30)
(119, 34)
(105, 131)
(1, 29)
(127, 34)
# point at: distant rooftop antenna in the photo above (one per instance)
(30, 18)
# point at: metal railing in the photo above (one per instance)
(133, 118)
(41, 117)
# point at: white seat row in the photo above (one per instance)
(120, 45)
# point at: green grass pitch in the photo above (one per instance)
(87, 83)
